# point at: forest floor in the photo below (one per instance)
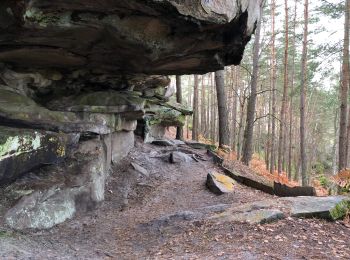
(140, 229)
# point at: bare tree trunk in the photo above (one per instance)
(208, 107)
(179, 129)
(273, 87)
(203, 112)
(213, 108)
(344, 94)
(247, 152)
(336, 133)
(234, 112)
(268, 139)
(303, 155)
(224, 134)
(190, 99)
(285, 93)
(291, 97)
(343, 142)
(195, 110)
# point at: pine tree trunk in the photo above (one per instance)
(179, 129)
(212, 110)
(273, 87)
(247, 151)
(208, 107)
(224, 134)
(291, 97)
(303, 155)
(335, 146)
(234, 111)
(203, 112)
(195, 124)
(285, 93)
(343, 142)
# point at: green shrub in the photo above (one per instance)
(323, 181)
(340, 210)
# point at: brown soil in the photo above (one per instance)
(132, 228)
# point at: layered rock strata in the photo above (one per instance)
(78, 77)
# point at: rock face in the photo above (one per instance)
(24, 149)
(58, 192)
(77, 78)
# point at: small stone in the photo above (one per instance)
(140, 169)
(179, 157)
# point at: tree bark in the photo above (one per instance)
(343, 147)
(235, 104)
(285, 92)
(247, 151)
(273, 87)
(303, 156)
(179, 129)
(203, 112)
(212, 110)
(195, 110)
(224, 134)
(291, 97)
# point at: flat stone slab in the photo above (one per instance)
(309, 207)
(260, 216)
(167, 142)
(198, 145)
(220, 183)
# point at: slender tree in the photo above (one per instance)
(179, 129)
(344, 92)
(195, 110)
(249, 128)
(303, 156)
(273, 86)
(203, 108)
(234, 103)
(224, 134)
(285, 92)
(291, 96)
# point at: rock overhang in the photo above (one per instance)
(126, 37)
(91, 73)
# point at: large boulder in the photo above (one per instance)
(53, 194)
(41, 210)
